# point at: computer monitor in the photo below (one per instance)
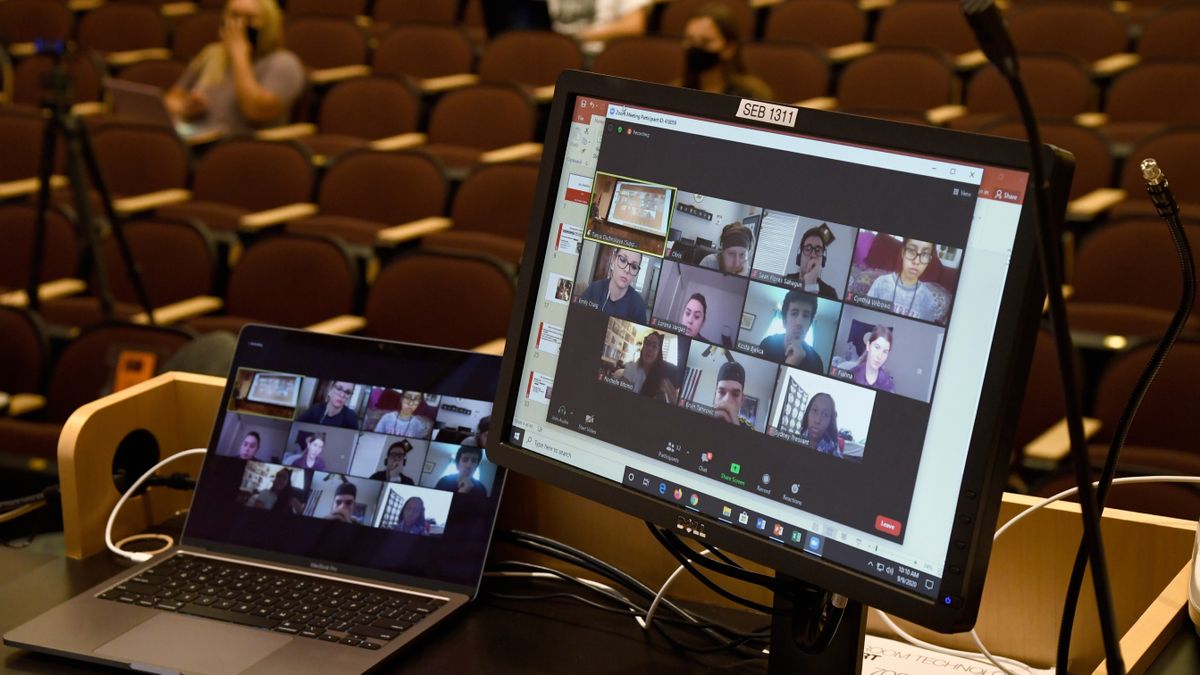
(837, 400)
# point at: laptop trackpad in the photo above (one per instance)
(176, 642)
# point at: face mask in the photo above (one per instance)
(700, 60)
(252, 36)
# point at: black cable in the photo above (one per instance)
(47, 494)
(736, 571)
(988, 25)
(586, 561)
(1164, 201)
(712, 585)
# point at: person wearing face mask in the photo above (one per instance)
(713, 56)
(245, 81)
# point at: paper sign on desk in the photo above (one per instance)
(881, 655)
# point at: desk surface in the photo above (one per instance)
(494, 635)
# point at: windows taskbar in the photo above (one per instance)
(811, 543)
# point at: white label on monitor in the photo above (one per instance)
(761, 111)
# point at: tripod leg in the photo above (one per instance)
(45, 170)
(83, 204)
(131, 266)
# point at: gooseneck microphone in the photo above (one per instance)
(988, 25)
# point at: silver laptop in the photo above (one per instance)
(345, 507)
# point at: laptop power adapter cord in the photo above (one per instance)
(142, 556)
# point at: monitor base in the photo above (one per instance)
(810, 636)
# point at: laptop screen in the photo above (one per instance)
(782, 328)
(353, 455)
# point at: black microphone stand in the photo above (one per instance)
(61, 121)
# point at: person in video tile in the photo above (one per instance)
(727, 399)
(250, 444)
(280, 497)
(904, 289)
(404, 422)
(733, 258)
(649, 375)
(466, 460)
(819, 428)
(343, 503)
(479, 438)
(333, 411)
(694, 314)
(412, 517)
(812, 260)
(613, 295)
(869, 371)
(789, 347)
(397, 457)
(314, 445)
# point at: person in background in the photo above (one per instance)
(479, 438)
(869, 370)
(713, 56)
(245, 81)
(615, 295)
(908, 295)
(344, 497)
(789, 347)
(405, 421)
(694, 314)
(314, 445)
(598, 21)
(812, 258)
(730, 393)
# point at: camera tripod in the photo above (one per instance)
(79, 156)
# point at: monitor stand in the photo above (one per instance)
(800, 640)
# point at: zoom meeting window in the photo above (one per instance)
(786, 333)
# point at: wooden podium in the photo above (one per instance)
(1149, 556)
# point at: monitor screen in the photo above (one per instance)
(795, 339)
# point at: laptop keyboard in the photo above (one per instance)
(288, 603)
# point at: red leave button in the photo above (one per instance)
(887, 525)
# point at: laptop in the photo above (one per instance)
(143, 103)
(344, 509)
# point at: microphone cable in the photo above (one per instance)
(1164, 202)
(988, 26)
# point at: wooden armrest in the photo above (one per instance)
(1053, 445)
(1114, 63)
(398, 142)
(286, 132)
(59, 288)
(150, 200)
(1087, 207)
(1067, 291)
(970, 60)
(263, 219)
(176, 9)
(495, 347)
(819, 103)
(88, 108)
(331, 75)
(512, 153)
(437, 85)
(764, 3)
(22, 49)
(182, 310)
(339, 325)
(543, 94)
(398, 234)
(945, 113)
(849, 52)
(1091, 119)
(28, 186)
(78, 6)
(871, 5)
(20, 405)
(133, 56)
(204, 137)
(363, 21)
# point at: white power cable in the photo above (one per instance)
(141, 556)
(658, 597)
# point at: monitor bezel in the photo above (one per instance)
(988, 457)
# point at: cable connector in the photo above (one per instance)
(1159, 189)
